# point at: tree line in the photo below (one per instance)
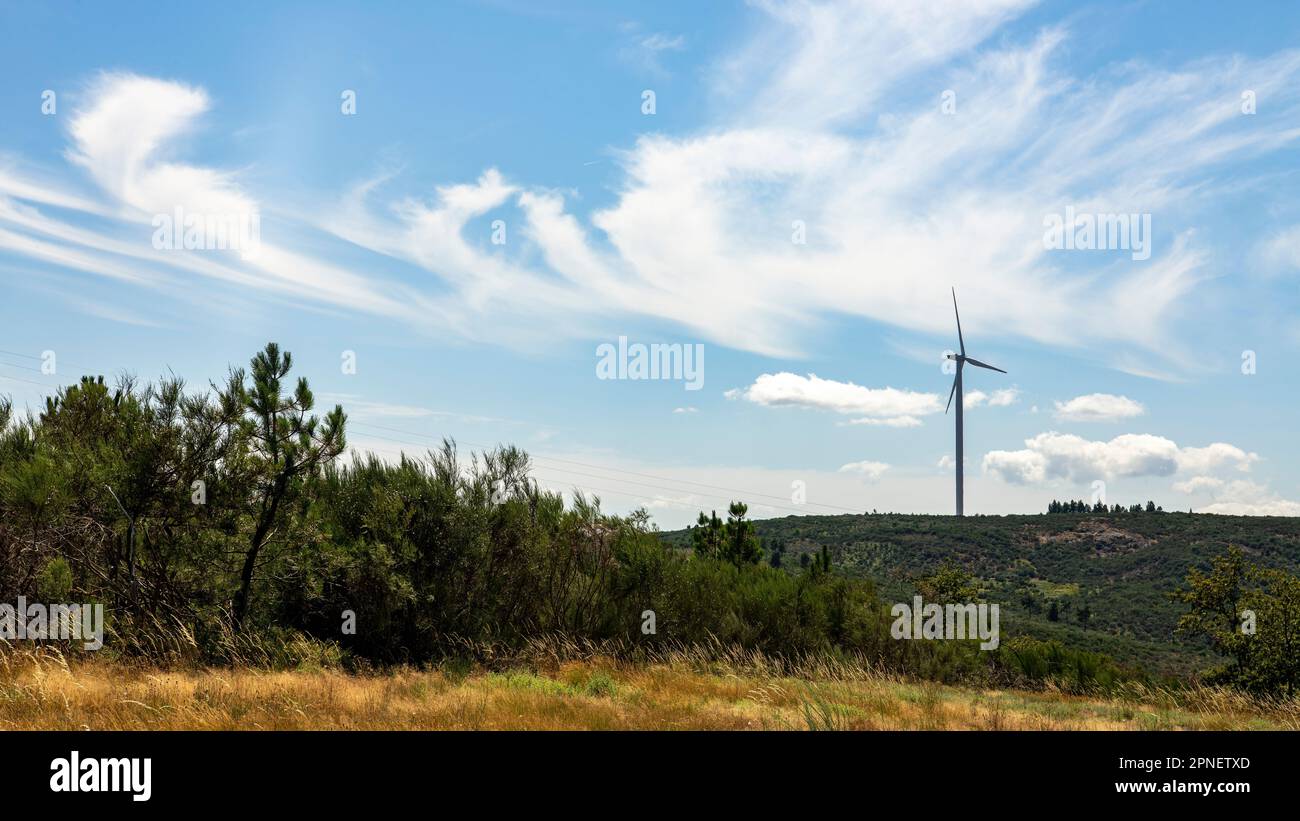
(1080, 506)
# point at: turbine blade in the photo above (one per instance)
(951, 393)
(980, 364)
(954, 310)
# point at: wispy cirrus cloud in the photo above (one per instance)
(800, 120)
(123, 139)
(645, 51)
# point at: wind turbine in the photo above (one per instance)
(961, 359)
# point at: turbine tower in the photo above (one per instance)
(961, 359)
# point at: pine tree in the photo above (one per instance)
(740, 543)
(289, 445)
(706, 536)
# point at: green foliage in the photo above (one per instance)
(707, 537)
(1077, 671)
(54, 584)
(1080, 506)
(1250, 614)
(740, 543)
(223, 525)
(735, 541)
(600, 685)
(948, 584)
(287, 445)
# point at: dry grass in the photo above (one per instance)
(42, 690)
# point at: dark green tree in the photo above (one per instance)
(290, 445)
(777, 555)
(1084, 615)
(950, 584)
(1252, 616)
(707, 536)
(740, 543)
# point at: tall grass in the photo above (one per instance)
(567, 684)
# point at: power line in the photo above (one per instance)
(84, 368)
(621, 491)
(615, 470)
(20, 367)
(28, 381)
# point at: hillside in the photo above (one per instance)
(1107, 574)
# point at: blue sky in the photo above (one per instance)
(910, 148)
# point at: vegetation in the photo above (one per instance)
(224, 526)
(1089, 582)
(1080, 506)
(688, 690)
(1251, 615)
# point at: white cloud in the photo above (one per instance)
(360, 409)
(1198, 483)
(888, 422)
(1098, 407)
(123, 139)
(688, 409)
(872, 471)
(1245, 498)
(877, 406)
(1282, 252)
(644, 51)
(1066, 456)
(828, 63)
(119, 140)
(1215, 456)
(997, 399)
(663, 42)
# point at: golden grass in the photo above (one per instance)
(42, 690)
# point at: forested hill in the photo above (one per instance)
(1098, 581)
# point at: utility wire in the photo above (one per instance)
(611, 469)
